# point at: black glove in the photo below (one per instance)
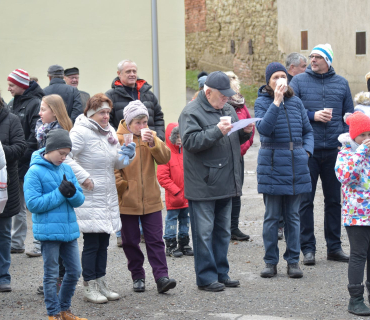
(67, 188)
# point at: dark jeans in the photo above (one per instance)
(155, 248)
(94, 255)
(210, 226)
(236, 205)
(5, 244)
(359, 240)
(322, 164)
(288, 206)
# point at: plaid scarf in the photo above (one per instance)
(43, 129)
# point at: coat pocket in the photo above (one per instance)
(215, 170)
(130, 197)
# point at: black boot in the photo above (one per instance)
(184, 246)
(356, 302)
(368, 289)
(171, 248)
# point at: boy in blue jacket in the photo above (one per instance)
(51, 192)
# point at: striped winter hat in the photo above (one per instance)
(20, 78)
(325, 51)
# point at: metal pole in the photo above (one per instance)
(155, 50)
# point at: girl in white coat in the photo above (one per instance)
(94, 156)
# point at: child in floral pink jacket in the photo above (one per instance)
(353, 171)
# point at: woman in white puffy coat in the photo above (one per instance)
(95, 154)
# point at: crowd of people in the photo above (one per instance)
(93, 165)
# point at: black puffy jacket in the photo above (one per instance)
(121, 99)
(27, 108)
(14, 145)
(70, 95)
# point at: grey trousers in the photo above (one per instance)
(19, 223)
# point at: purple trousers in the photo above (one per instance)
(153, 231)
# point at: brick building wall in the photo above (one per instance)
(232, 35)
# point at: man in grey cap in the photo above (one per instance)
(72, 78)
(70, 95)
(212, 173)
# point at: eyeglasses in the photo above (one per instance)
(73, 77)
(316, 57)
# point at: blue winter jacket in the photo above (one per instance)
(319, 91)
(281, 171)
(53, 216)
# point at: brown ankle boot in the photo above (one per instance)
(68, 315)
(55, 317)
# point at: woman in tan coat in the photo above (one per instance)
(139, 196)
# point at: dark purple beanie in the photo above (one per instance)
(272, 68)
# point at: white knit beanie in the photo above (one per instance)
(325, 51)
(134, 109)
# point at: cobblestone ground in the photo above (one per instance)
(320, 294)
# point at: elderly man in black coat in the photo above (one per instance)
(70, 95)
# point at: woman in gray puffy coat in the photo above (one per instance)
(282, 173)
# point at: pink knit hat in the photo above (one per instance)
(134, 109)
(358, 123)
(20, 78)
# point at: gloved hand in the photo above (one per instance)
(67, 188)
(127, 152)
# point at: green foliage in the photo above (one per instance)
(249, 92)
(192, 79)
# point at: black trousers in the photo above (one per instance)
(94, 255)
(236, 205)
(359, 240)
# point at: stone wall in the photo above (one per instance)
(212, 25)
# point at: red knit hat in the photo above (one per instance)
(358, 123)
(20, 78)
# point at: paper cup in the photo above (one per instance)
(143, 132)
(282, 81)
(226, 119)
(329, 109)
(128, 138)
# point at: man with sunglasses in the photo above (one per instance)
(327, 97)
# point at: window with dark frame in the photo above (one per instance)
(304, 40)
(361, 42)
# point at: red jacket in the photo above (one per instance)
(171, 175)
(243, 113)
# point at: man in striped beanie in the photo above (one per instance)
(26, 105)
(326, 97)
(20, 81)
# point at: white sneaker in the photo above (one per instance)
(104, 290)
(92, 294)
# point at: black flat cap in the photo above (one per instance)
(55, 70)
(71, 71)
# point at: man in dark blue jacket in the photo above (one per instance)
(70, 95)
(327, 97)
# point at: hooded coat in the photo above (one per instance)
(171, 175)
(14, 145)
(353, 172)
(137, 186)
(53, 215)
(27, 108)
(319, 91)
(121, 98)
(281, 171)
(93, 157)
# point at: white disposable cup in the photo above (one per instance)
(128, 138)
(143, 130)
(329, 109)
(282, 81)
(226, 119)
